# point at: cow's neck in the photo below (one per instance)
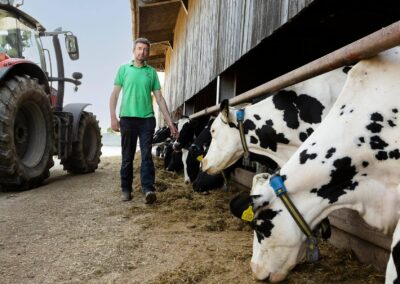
(263, 110)
(375, 199)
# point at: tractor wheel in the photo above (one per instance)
(86, 151)
(26, 133)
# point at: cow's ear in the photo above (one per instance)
(224, 108)
(241, 206)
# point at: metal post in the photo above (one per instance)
(363, 48)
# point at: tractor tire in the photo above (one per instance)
(86, 152)
(26, 133)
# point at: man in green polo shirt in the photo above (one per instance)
(137, 80)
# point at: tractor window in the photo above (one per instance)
(19, 40)
(8, 34)
(30, 45)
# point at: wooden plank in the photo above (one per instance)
(365, 251)
(349, 221)
(243, 177)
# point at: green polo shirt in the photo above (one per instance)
(137, 84)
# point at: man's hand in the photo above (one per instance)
(115, 125)
(174, 131)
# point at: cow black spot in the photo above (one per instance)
(310, 109)
(255, 197)
(186, 134)
(269, 122)
(346, 69)
(253, 140)
(362, 140)
(364, 175)
(365, 164)
(341, 179)
(263, 224)
(341, 113)
(395, 110)
(313, 144)
(284, 101)
(377, 143)
(256, 116)
(343, 106)
(307, 108)
(269, 138)
(376, 117)
(375, 127)
(304, 156)
(396, 259)
(248, 125)
(232, 125)
(351, 110)
(382, 155)
(391, 123)
(395, 154)
(303, 136)
(330, 153)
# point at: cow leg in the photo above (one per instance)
(184, 161)
(393, 267)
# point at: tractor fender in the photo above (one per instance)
(24, 67)
(76, 110)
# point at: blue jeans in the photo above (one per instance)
(133, 128)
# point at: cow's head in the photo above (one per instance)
(278, 243)
(186, 133)
(161, 135)
(200, 145)
(225, 148)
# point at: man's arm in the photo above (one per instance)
(164, 109)
(113, 105)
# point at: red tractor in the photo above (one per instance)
(34, 123)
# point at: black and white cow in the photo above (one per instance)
(205, 182)
(189, 129)
(161, 138)
(352, 161)
(162, 135)
(172, 159)
(276, 126)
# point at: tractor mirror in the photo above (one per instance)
(71, 43)
(77, 75)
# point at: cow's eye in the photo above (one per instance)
(212, 131)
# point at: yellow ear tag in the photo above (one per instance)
(200, 158)
(248, 214)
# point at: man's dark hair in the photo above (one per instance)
(142, 40)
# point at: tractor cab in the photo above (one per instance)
(34, 122)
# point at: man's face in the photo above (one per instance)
(141, 52)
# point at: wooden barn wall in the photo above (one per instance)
(214, 35)
(175, 67)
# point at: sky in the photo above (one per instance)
(104, 31)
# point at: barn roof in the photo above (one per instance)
(155, 20)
